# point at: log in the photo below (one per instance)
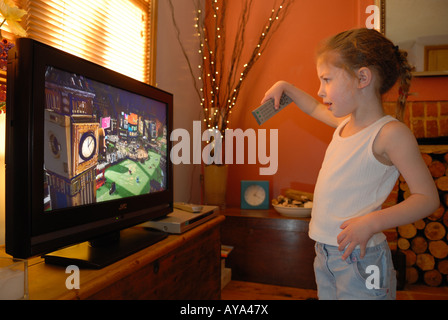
(403, 244)
(436, 215)
(445, 218)
(442, 183)
(420, 224)
(419, 245)
(404, 186)
(411, 257)
(437, 169)
(427, 158)
(407, 231)
(445, 199)
(435, 231)
(411, 275)
(439, 249)
(442, 266)
(406, 194)
(425, 261)
(432, 278)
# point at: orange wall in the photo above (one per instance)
(291, 57)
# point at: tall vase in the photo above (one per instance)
(215, 185)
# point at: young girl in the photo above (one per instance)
(362, 163)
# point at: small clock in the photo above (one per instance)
(55, 146)
(254, 194)
(87, 146)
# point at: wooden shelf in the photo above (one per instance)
(186, 266)
(269, 214)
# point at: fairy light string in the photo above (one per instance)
(218, 78)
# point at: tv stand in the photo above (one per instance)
(180, 267)
(103, 251)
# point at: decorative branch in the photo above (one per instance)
(220, 80)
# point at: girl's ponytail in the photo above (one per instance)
(405, 77)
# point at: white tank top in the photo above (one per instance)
(351, 183)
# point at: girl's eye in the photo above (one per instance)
(326, 80)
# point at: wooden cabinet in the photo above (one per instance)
(185, 266)
(269, 248)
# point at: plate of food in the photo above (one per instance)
(294, 204)
(293, 212)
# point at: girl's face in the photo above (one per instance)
(337, 88)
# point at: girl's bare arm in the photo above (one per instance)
(304, 101)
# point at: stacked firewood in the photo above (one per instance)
(425, 242)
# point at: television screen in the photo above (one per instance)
(86, 152)
(104, 143)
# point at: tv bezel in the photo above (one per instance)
(29, 230)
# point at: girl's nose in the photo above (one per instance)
(321, 92)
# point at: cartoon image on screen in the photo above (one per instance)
(103, 143)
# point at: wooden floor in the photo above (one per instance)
(240, 290)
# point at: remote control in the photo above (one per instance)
(267, 110)
(188, 207)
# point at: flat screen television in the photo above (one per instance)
(87, 158)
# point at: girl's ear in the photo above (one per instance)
(364, 77)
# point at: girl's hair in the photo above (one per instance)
(364, 47)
